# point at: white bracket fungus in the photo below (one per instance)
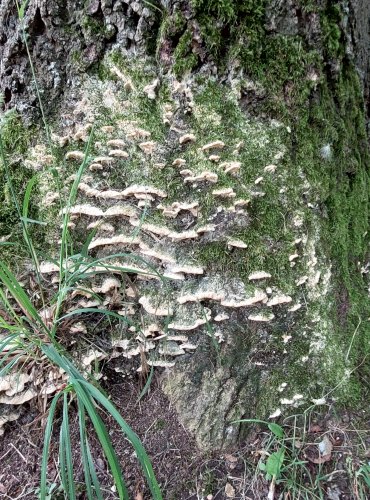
(118, 153)
(203, 176)
(270, 168)
(231, 167)
(148, 147)
(278, 300)
(236, 244)
(116, 143)
(259, 275)
(261, 317)
(150, 89)
(213, 145)
(120, 239)
(75, 155)
(187, 138)
(224, 192)
(154, 308)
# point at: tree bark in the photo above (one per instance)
(281, 84)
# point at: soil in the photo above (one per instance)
(183, 471)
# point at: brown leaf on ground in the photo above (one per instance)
(231, 461)
(325, 448)
(229, 491)
(315, 428)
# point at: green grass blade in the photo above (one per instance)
(71, 200)
(68, 449)
(94, 477)
(7, 244)
(7, 368)
(84, 455)
(76, 289)
(45, 452)
(27, 220)
(84, 310)
(85, 248)
(62, 461)
(91, 477)
(9, 308)
(7, 340)
(22, 8)
(147, 385)
(15, 289)
(103, 437)
(131, 435)
(27, 196)
(9, 183)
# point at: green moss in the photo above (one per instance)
(291, 72)
(184, 59)
(16, 138)
(93, 26)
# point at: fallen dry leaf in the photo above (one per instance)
(229, 491)
(325, 449)
(315, 428)
(231, 458)
(231, 461)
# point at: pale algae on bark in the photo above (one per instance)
(229, 289)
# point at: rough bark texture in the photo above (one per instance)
(276, 82)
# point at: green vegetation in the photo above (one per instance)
(16, 140)
(289, 453)
(290, 72)
(28, 334)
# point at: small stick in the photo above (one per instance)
(19, 453)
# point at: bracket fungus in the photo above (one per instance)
(118, 153)
(231, 167)
(120, 239)
(150, 89)
(154, 307)
(261, 317)
(224, 193)
(259, 275)
(184, 139)
(148, 147)
(236, 244)
(203, 176)
(75, 155)
(213, 145)
(278, 300)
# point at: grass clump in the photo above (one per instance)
(27, 333)
(31, 325)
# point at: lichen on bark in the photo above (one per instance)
(262, 166)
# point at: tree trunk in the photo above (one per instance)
(245, 187)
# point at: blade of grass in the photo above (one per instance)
(147, 385)
(103, 437)
(7, 368)
(88, 463)
(45, 452)
(84, 457)
(94, 477)
(84, 310)
(131, 435)
(65, 437)
(9, 183)
(12, 285)
(62, 461)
